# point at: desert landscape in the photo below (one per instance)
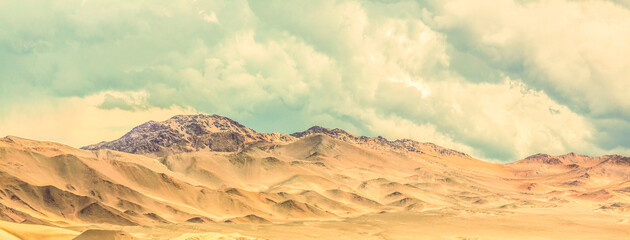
(314, 119)
(209, 177)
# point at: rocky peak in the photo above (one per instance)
(186, 133)
(204, 124)
(617, 160)
(573, 154)
(573, 159)
(380, 142)
(541, 158)
(336, 133)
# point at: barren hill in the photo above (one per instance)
(187, 133)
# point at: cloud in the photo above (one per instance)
(80, 121)
(128, 101)
(485, 78)
(574, 50)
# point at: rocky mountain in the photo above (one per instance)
(379, 143)
(572, 164)
(188, 133)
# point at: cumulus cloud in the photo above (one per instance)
(581, 57)
(498, 80)
(574, 51)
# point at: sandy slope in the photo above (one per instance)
(318, 184)
(10, 231)
(212, 236)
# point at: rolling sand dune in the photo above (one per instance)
(94, 234)
(10, 231)
(208, 177)
(213, 236)
(249, 219)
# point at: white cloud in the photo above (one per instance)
(369, 67)
(508, 120)
(577, 51)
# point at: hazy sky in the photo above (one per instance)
(497, 79)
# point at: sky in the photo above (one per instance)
(497, 79)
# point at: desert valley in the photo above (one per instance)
(209, 177)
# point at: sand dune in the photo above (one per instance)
(11, 231)
(249, 219)
(213, 236)
(218, 174)
(94, 234)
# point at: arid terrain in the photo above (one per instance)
(209, 177)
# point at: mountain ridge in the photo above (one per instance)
(188, 133)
